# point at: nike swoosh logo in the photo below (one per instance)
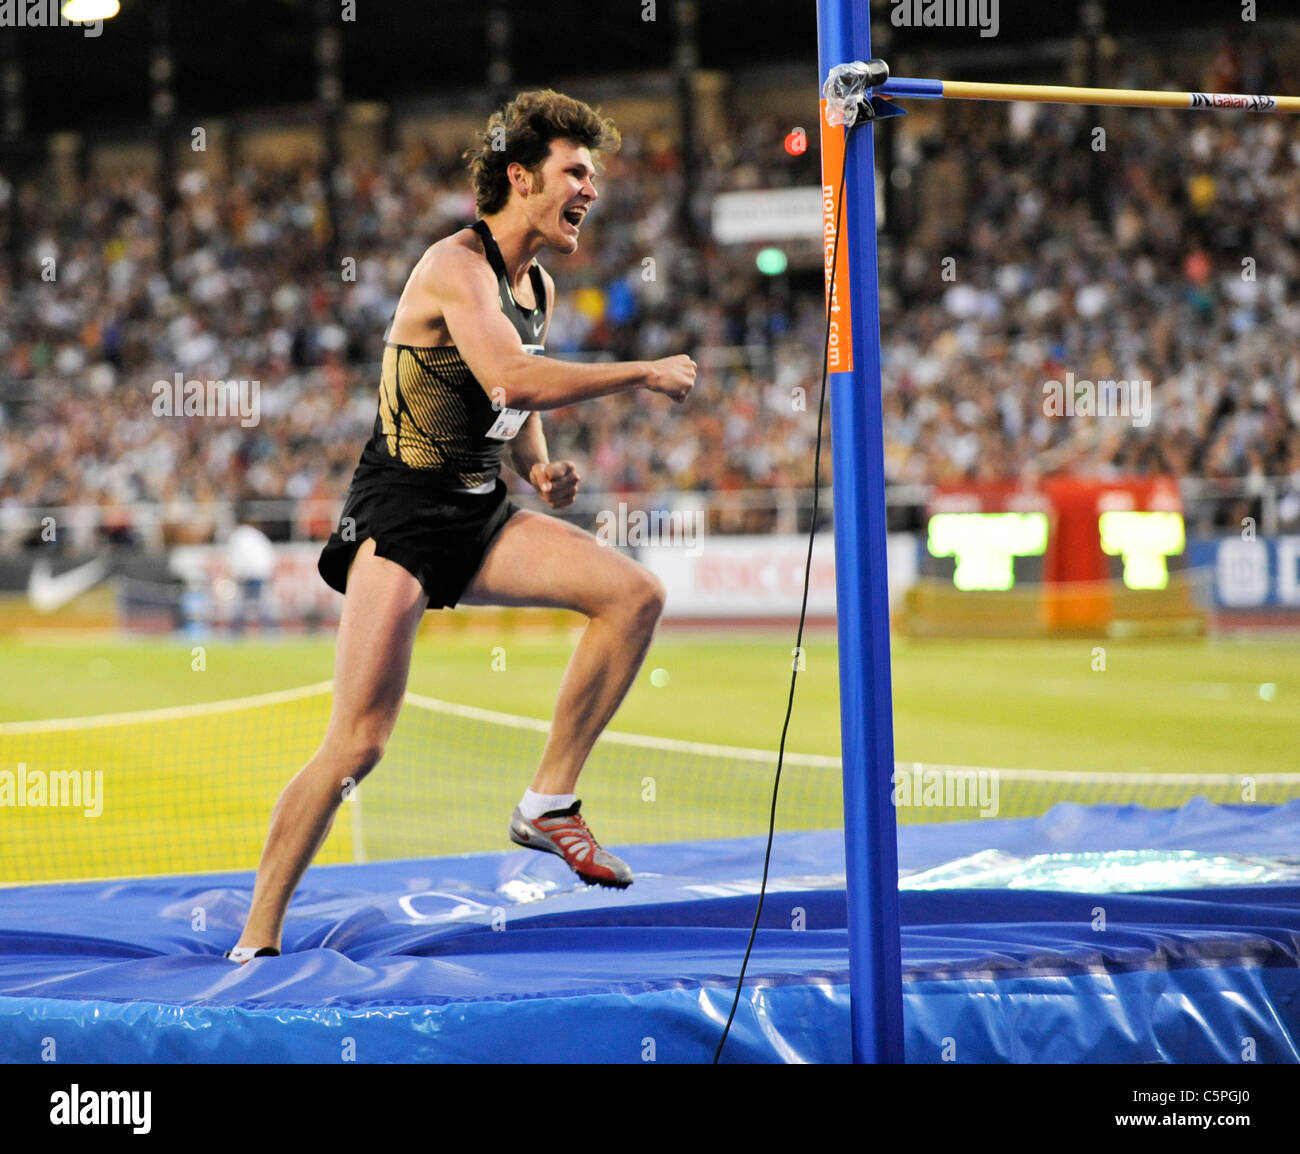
(47, 592)
(537, 328)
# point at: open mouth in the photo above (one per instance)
(574, 216)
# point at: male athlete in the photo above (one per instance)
(427, 522)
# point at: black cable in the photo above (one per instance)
(803, 608)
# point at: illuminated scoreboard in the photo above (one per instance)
(984, 546)
(1145, 539)
(1088, 550)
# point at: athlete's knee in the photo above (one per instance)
(633, 596)
(646, 598)
(331, 777)
(365, 751)
(353, 751)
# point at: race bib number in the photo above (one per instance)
(509, 421)
(507, 425)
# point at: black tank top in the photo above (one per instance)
(436, 427)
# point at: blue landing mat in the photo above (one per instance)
(502, 957)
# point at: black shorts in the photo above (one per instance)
(439, 536)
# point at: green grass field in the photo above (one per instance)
(196, 796)
(1194, 706)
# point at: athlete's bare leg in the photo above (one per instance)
(540, 561)
(381, 613)
(536, 560)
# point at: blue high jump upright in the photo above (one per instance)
(866, 702)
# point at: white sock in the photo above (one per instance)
(534, 805)
(242, 954)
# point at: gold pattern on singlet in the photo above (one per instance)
(424, 414)
(388, 399)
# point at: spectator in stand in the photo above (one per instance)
(1189, 281)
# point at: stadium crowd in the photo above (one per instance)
(1024, 253)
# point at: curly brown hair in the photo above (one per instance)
(522, 131)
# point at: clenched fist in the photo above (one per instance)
(556, 481)
(672, 376)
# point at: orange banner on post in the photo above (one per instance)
(838, 299)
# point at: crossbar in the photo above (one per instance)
(906, 86)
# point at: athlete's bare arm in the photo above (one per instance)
(555, 481)
(452, 297)
(529, 446)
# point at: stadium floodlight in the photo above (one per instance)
(85, 11)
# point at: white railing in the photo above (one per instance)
(1209, 505)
